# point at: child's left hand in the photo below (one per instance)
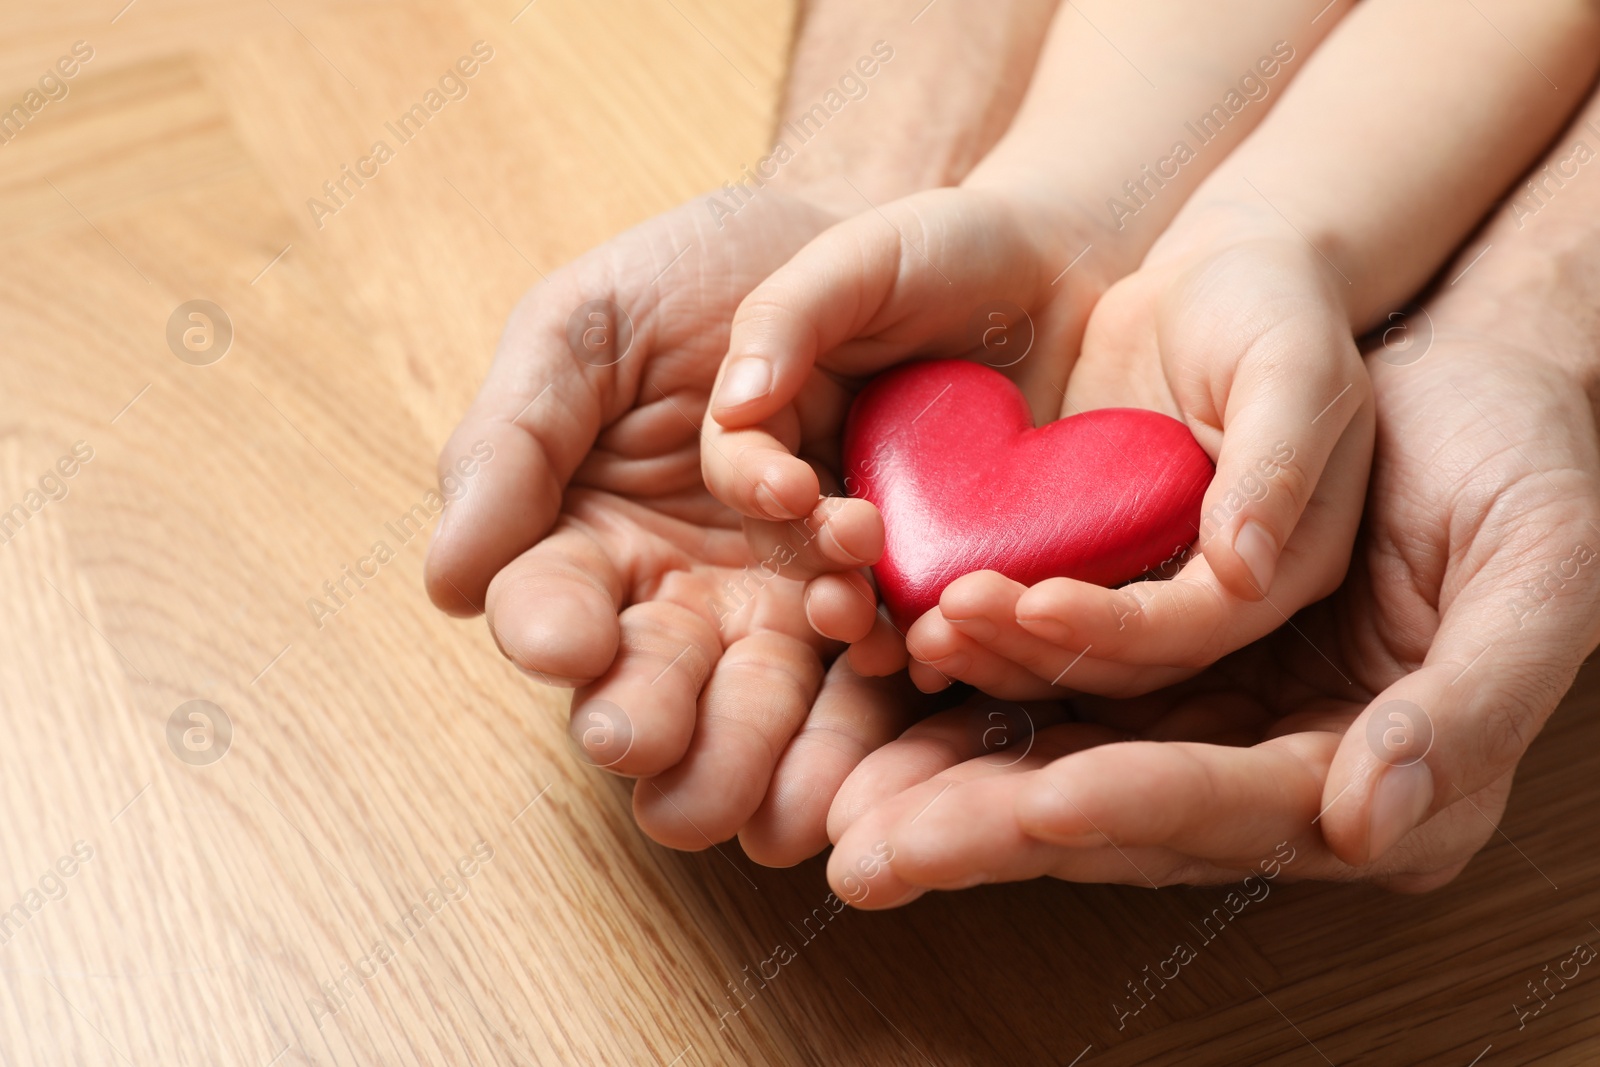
(1250, 345)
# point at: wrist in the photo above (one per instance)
(875, 109)
(1538, 299)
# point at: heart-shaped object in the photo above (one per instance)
(948, 452)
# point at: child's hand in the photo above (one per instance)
(1250, 345)
(919, 277)
(1003, 269)
(1380, 737)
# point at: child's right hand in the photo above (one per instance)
(949, 272)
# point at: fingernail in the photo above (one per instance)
(749, 378)
(768, 502)
(1402, 797)
(1053, 630)
(979, 629)
(1253, 544)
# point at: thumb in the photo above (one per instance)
(868, 293)
(1507, 648)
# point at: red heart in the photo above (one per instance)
(948, 452)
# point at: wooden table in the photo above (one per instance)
(395, 859)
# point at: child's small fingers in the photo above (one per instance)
(756, 473)
(842, 606)
(840, 534)
(983, 607)
(942, 653)
(928, 678)
(881, 652)
(822, 297)
(1185, 621)
(997, 675)
(1287, 410)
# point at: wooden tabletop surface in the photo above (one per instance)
(369, 843)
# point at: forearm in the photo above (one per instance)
(1535, 269)
(1134, 104)
(878, 106)
(1401, 133)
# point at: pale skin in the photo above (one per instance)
(602, 563)
(904, 280)
(1473, 597)
(1239, 321)
(553, 613)
(591, 544)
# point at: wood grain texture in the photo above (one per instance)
(378, 753)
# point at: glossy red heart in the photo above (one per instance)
(948, 452)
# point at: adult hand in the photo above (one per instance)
(589, 540)
(1378, 734)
